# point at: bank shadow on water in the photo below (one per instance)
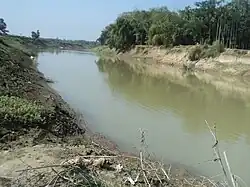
(195, 101)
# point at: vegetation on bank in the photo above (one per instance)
(205, 23)
(17, 109)
(3, 27)
(36, 42)
(205, 51)
(27, 105)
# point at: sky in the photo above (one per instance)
(75, 19)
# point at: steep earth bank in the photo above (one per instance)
(230, 62)
(229, 72)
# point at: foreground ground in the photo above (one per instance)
(45, 143)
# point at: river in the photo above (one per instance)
(117, 103)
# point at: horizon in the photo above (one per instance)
(69, 20)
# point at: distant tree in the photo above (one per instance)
(3, 27)
(35, 35)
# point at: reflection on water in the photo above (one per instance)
(193, 104)
(117, 102)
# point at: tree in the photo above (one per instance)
(35, 35)
(207, 22)
(3, 27)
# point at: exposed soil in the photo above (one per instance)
(230, 62)
(81, 165)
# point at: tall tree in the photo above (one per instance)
(208, 21)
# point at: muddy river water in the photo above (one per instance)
(117, 103)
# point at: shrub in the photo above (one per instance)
(219, 46)
(157, 40)
(214, 50)
(17, 109)
(211, 52)
(195, 53)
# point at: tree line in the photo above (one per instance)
(36, 37)
(4, 31)
(204, 23)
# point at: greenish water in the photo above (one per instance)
(117, 103)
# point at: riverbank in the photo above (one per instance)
(44, 142)
(230, 62)
(228, 72)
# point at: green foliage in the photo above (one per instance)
(195, 53)
(28, 43)
(3, 27)
(213, 50)
(21, 110)
(208, 21)
(157, 40)
(35, 35)
(205, 51)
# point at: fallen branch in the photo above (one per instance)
(65, 178)
(41, 167)
(165, 174)
(143, 170)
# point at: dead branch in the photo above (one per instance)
(41, 167)
(229, 169)
(216, 150)
(165, 173)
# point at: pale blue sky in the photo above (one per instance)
(72, 19)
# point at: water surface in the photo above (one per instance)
(118, 102)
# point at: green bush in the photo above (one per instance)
(21, 110)
(195, 53)
(214, 50)
(157, 40)
(205, 51)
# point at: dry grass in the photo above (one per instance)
(98, 166)
(102, 167)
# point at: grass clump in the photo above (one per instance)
(195, 53)
(214, 50)
(17, 109)
(205, 51)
